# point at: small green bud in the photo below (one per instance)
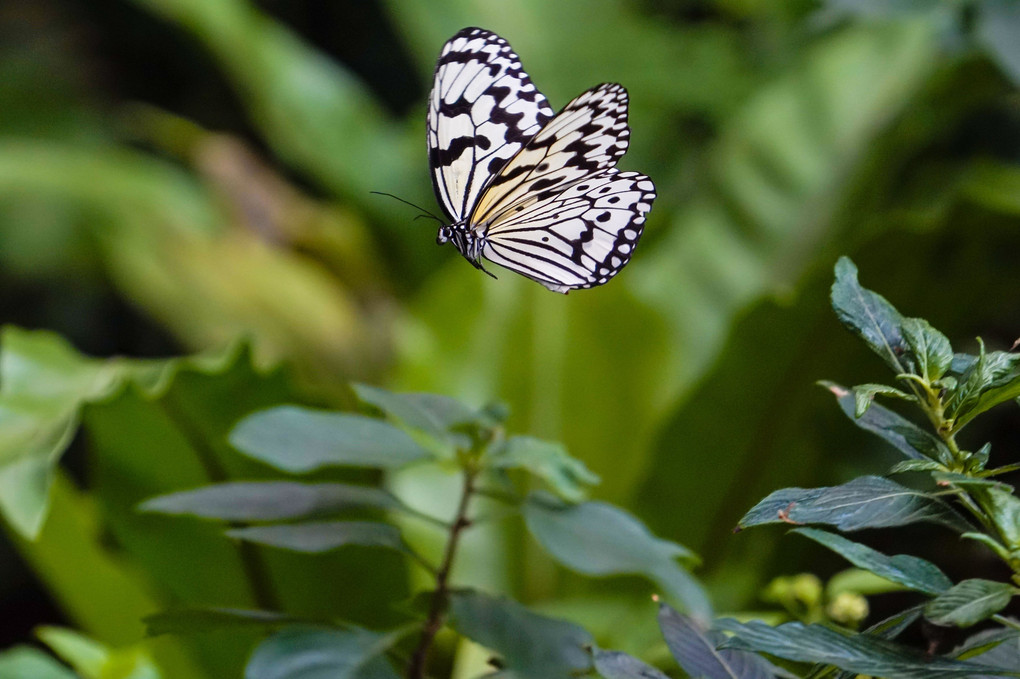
(848, 609)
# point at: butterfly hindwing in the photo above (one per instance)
(578, 238)
(482, 109)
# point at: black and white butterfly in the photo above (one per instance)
(532, 190)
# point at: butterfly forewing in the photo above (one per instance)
(589, 135)
(580, 237)
(482, 109)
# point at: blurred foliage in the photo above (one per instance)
(176, 173)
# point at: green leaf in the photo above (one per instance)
(269, 500)
(997, 24)
(988, 380)
(987, 640)
(869, 316)
(304, 652)
(865, 502)
(853, 652)
(43, 384)
(531, 646)
(864, 394)
(696, 650)
(619, 665)
(916, 466)
(909, 571)
(1004, 508)
(298, 440)
(969, 602)
(434, 414)
(200, 620)
(324, 536)
(929, 348)
(904, 435)
(567, 476)
(25, 662)
(599, 539)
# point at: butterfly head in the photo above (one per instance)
(444, 235)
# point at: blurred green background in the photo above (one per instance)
(175, 174)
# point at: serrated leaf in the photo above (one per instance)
(864, 395)
(304, 652)
(200, 620)
(599, 539)
(910, 571)
(869, 316)
(322, 536)
(25, 662)
(969, 602)
(696, 650)
(929, 347)
(619, 665)
(269, 500)
(904, 435)
(531, 646)
(567, 476)
(858, 653)
(865, 502)
(296, 439)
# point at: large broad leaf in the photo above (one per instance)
(43, 384)
(697, 650)
(25, 662)
(530, 646)
(865, 502)
(854, 652)
(596, 538)
(909, 571)
(969, 602)
(269, 500)
(316, 653)
(298, 440)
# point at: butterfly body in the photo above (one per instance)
(525, 188)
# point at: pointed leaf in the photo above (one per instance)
(296, 439)
(697, 650)
(929, 348)
(598, 539)
(865, 502)
(994, 647)
(325, 536)
(619, 665)
(916, 466)
(853, 652)
(909, 571)
(304, 652)
(269, 500)
(567, 476)
(432, 413)
(969, 602)
(990, 379)
(904, 435)
(869, 316)
(531, 646)
(864, 395)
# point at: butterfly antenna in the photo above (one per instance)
(425, 213)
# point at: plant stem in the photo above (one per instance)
(437, 607)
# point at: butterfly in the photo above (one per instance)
(531, 190)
